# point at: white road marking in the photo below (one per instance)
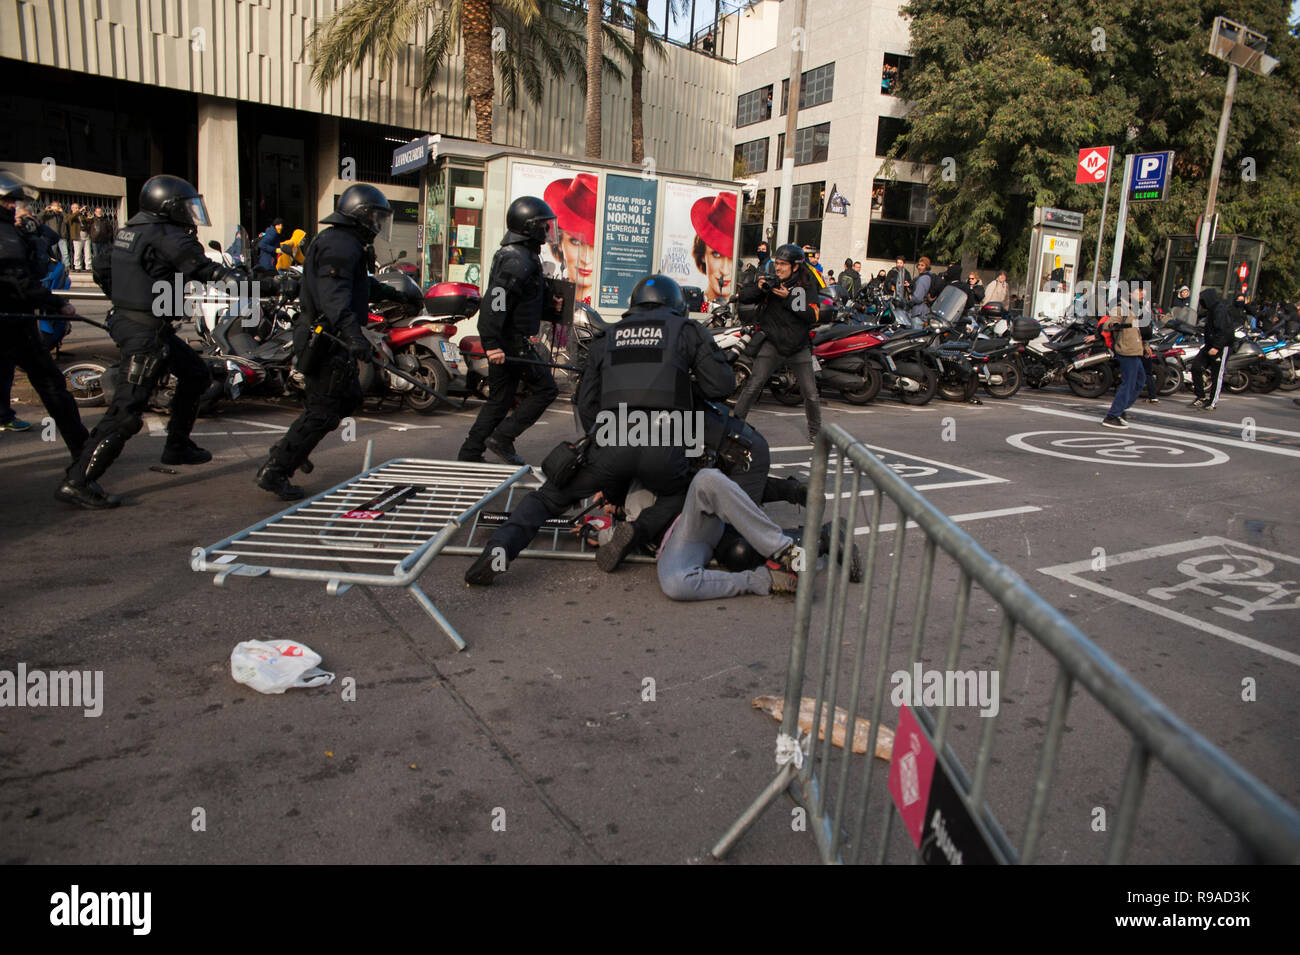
(1212, 439)
(260, 424)
(960, 518)
(404, 426)
(1218, 421)
(1113, 449)
(1069, 573)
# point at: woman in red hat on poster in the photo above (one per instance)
(574, 202)
(714, 219)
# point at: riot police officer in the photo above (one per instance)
(22, 266)
(156, 248)
(643, 365)
(511, 314)
(335, 297)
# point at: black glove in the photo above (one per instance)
(415, 298)
(359, 348)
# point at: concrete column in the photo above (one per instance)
(327, 166)
(219, 167)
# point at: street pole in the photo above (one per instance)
(1101, 226)
(1121, 223)
(791, 120)
(1203, 243)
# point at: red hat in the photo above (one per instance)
(574, 202)
(715, 222)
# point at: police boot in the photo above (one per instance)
(184, 451)
(271, 477)
(80, 486)
(484, 570)
(504, 448)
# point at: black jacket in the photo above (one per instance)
(1218, 323)
(512, 301)
(150, 249)
(20, 284)
(336, 290)
(783, 320)
(713, 377)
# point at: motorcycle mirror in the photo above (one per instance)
(214, 245)
(402, 254)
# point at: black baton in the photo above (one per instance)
(398, 372)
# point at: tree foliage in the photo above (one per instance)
(1012, 89)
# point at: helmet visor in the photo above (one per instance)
(378, 221)
(551, 231)
(196, 211)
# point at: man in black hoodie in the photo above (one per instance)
(1211, 357)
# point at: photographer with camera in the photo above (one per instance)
(787, 309)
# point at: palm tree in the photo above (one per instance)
(641, 36)
(538, 40)
(595, 18)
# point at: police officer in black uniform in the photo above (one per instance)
(645, 363)
(23, 263)
(336, 293)
(511, 314)
(156, 245)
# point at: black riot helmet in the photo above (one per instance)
(532, 218)
(789, 253)
(363, 207)
(12, 186)
(175, 200)
(658, 290)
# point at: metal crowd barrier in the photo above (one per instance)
(419, 506)
(1267, 826)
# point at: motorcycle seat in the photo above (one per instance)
(910, 333)
(836, 332)
(986, 345)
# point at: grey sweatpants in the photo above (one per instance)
(712, 501)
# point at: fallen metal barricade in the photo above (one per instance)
(418, 506)
(1267, 826)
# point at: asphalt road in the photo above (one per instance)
(536, 743)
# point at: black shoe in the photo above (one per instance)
(471, 458)
(855, 557)
(271, 478)
(504, 448)
(481, 573)
(88, 495)
(1111, 421)
(187, 453)
(611, 555)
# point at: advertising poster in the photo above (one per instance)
(627, 245)
(573, 197)
(699, 248)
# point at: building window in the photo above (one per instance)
(807, 199)
(817, 86)
(751, 158)
(888, 129)
(371, 147)
(885, 240)
(754, 106)
(902, 201)
(752, 223)
(891, 74)
(812, 144)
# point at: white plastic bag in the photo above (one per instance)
(277, 666)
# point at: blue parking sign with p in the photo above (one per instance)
(1150, 176)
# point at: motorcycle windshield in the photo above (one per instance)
(949, 305)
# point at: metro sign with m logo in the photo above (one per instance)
(1093, 163)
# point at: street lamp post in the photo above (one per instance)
(1242, 47)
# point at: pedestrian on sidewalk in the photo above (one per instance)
(1210, 360)
(79, 239)
(1127, 336)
